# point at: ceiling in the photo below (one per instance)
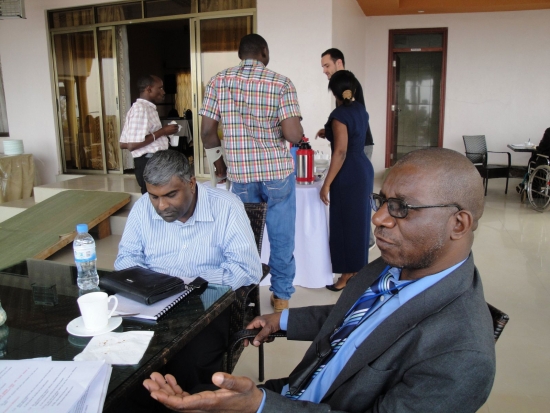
(397, 7)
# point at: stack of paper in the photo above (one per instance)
(53, 386)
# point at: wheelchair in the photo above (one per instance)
(538, 183)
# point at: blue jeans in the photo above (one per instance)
(280, 196)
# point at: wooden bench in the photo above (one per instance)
(48, 226)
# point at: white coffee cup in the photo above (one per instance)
(174, 140)
(94, 308)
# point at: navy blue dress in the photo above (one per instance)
(350, 210)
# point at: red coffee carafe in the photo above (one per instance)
(305, 163)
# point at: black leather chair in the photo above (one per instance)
(476, 151)
(247, 303)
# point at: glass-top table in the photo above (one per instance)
(39, 298)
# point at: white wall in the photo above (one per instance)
(26, 73)
(297, 32)
(349, 34)
(498, 82)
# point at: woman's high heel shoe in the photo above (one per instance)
(333, 287)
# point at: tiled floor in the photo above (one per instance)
(512, 253)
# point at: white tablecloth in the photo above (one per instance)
(311, 250)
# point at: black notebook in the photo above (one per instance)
(160, 308)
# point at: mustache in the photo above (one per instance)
(168, 211)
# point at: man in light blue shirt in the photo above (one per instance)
(410, 333)
(187, 230)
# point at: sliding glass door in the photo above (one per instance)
(86, 80)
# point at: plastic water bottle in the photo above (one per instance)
(85, 259)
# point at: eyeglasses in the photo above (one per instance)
(398, 208)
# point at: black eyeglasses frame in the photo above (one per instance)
(403, 205)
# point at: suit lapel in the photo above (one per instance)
(405, 318)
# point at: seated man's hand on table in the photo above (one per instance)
(238, 394)
(269, 323)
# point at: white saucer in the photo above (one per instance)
(76, 327)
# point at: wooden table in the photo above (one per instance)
(48, 226)
(40, 331)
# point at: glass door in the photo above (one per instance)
(216, 44)
(79, 101)
(416, 91)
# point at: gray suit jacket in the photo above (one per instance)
(436, 353)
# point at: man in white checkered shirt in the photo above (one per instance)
(143, 134)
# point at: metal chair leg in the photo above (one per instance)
(261, 362)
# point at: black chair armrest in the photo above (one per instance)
(250, 334)
(507, 153)
(500, 319)
(235, 342)
(265, 271)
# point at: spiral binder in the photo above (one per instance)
(159, 309)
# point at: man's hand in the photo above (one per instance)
(269, 323)
(221, 170)
(324, 194)
(320, 134)
(236, 394)
(169, 129)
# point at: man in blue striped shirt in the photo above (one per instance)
(186, 229)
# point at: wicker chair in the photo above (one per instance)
(247, 303)
(476, 151)
(499, 322)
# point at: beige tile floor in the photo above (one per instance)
(512, 253)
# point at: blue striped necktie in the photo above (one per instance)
(384, 284)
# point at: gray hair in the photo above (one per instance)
(163, 165)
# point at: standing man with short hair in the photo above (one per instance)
(332, 60)
(143, 134)
(259, 111)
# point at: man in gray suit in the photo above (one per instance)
(424, 344)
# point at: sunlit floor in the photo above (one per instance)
(512, 253)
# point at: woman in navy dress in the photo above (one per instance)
(349, 181)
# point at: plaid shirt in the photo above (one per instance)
(141, 120)
(251, 101)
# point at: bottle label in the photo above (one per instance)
(84, 253)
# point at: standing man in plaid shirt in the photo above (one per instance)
(143, 134)
(259, 110)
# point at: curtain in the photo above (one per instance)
(225, 34)
(109, 14)
(123, 86)
(3, 113)
(72, 18)
(218, 5)
(183, 94)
